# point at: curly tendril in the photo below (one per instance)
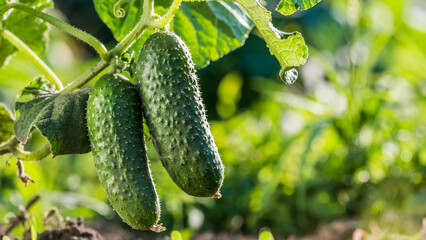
(119, 12)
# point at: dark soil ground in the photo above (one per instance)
(75, 229)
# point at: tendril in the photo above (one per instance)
(119, 12)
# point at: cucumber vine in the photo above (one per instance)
(145, 20)
(288, 55)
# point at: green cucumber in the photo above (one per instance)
(175, 115)
(114, 118)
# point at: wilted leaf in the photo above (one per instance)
(61, 118)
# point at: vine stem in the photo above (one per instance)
(137, 31)
(15, 41)
(77, 33)
(166, 18)
(121, 47)
(8, 145)
(87, 76)
(12, 146)
(32, 156)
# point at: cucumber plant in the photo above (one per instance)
(199, 32)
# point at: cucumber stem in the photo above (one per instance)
(75, 32)
(166, 18)
(113, 67)
(15, 41)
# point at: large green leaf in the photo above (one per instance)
(61, 118)
(288, 7)
(30, 30)
(108, 11)
(210, 29)
(6, 124)
(289, 48)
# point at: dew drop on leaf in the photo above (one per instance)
(288, 76)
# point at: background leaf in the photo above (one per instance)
(210, 29)
(6, 124)
(287, 7)
(30, 30)
(120, 27)
(289, 48)
(61, 118)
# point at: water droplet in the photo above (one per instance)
(288, 76)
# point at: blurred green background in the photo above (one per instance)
(346, 141)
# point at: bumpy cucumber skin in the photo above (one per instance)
(114, 118)
(175, 115)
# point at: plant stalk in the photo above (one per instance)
(75, 32)
(87, 76)
(32, 156)
(7, 146)
(15, 41)
(136, 32)
(12, 146)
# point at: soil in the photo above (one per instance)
(75, 229)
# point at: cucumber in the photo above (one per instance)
(114, 118)
(175, 115)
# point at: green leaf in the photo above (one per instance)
(31, 30)
(289, 48)
(120, 26)
(5, 238)
(265, 235)
(6, 124)
(209, 29)
(287, 7)
(61, 118)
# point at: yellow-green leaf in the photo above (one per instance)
(289, 48)
(287, 7)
